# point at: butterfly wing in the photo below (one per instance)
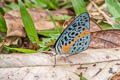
(76, 37)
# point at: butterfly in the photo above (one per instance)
(76, 37)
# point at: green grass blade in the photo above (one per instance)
(62, 17)
(55, 2)
(29, 4)
(2, 11)
(3, 27)
(79, 6)
(6, 9)
(105, 26)
(46, 48)
(114, 7)
(1, 38)
(46, 4)
(116, 26)
(47, 32)
(28, 24)
(13, 6)
(82, 77)
(117, 19)
(54, 36)
(22, 50)
(40, 3)
(51, 5)
(53, 20)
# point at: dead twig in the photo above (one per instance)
(103, 13)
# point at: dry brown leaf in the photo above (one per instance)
(10, 0)
(15, 25)
(33, 46)
(66, 23)
(99, 2)
(94, 26)
(116, 76)
(105, 39)
(97, 11)
(12, 41)
(2, 4)
(1, 46)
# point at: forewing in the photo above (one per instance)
(76, 37)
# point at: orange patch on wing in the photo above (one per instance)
(66, 48)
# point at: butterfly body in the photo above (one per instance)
(76, 37)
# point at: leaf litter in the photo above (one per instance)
(42, 23)
(100, 38)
